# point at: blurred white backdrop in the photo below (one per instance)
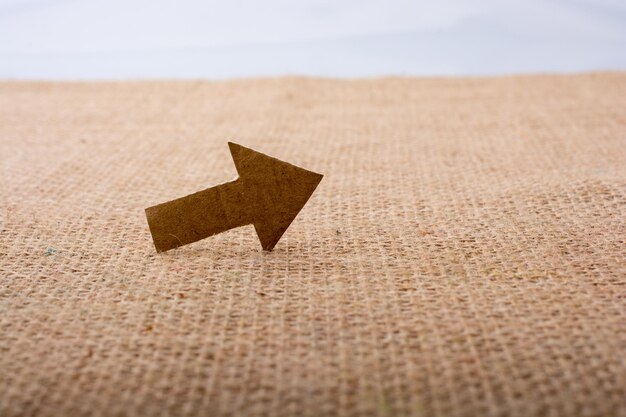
(120, 39)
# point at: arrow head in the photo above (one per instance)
(275, 191)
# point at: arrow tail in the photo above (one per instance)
(198, 216)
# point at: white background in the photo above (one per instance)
(121, 39)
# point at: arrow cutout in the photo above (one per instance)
(269, 194)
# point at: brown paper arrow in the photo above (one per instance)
(269, 194)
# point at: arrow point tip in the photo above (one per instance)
(233, 146)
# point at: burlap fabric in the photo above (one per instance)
(464, 254)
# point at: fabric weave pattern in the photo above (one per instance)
(463, 256)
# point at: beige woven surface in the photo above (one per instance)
(464, 254)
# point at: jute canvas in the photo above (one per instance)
(463, 256)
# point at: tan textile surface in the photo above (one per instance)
(464, 254)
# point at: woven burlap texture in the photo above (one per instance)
(464, 254)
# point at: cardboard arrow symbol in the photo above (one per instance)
(269, 194)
